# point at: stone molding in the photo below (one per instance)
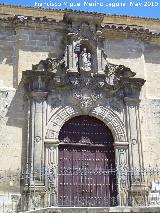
(54, 17)
(38, 94)
(118, 144)
(117, 209)
(105, 114)
(129, 100)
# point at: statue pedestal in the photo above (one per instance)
(139, 193)
(36, 196)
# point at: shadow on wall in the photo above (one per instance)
(132, 49)
(17, 117)
(124, 49)
(152, 54)
(40, 41)
(7, 46)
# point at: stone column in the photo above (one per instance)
(35, 185)
(36, 87)
(133, 130)
(34, 189)
(71, 56)
(121, 153)
(38, 102)
(138, 189)
(132, 92)
(51, 158)
(101, 61)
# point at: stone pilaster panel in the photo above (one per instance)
(133, 130)
(121, 158)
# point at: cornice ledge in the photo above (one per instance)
(31, 21)
(129, 100)
(39, 94)
(138, 82)
(135, 31)
(83, 17)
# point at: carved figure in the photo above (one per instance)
(85, 60)
(40, 83)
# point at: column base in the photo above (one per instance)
(34, 196)
(139, 194)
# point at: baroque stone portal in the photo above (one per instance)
(83, 82)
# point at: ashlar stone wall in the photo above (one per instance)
(20, 49)
(143, 59)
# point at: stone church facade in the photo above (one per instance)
(61, 71)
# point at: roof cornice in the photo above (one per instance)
(135, 27)
(40, 11)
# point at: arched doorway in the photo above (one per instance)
(86, 164)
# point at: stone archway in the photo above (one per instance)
(62, 115)
(111, 119)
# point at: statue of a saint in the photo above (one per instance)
(40, 83)
(85, 60)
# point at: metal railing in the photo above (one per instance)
(79, 187)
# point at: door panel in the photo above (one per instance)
(86, 156)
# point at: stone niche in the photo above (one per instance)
(82, 82)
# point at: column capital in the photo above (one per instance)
(132, 101)
(39, 96)
(51, 143)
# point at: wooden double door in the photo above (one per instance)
(86, 175)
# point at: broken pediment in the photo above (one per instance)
(49, 65)
(83, 70)
(53, 74)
